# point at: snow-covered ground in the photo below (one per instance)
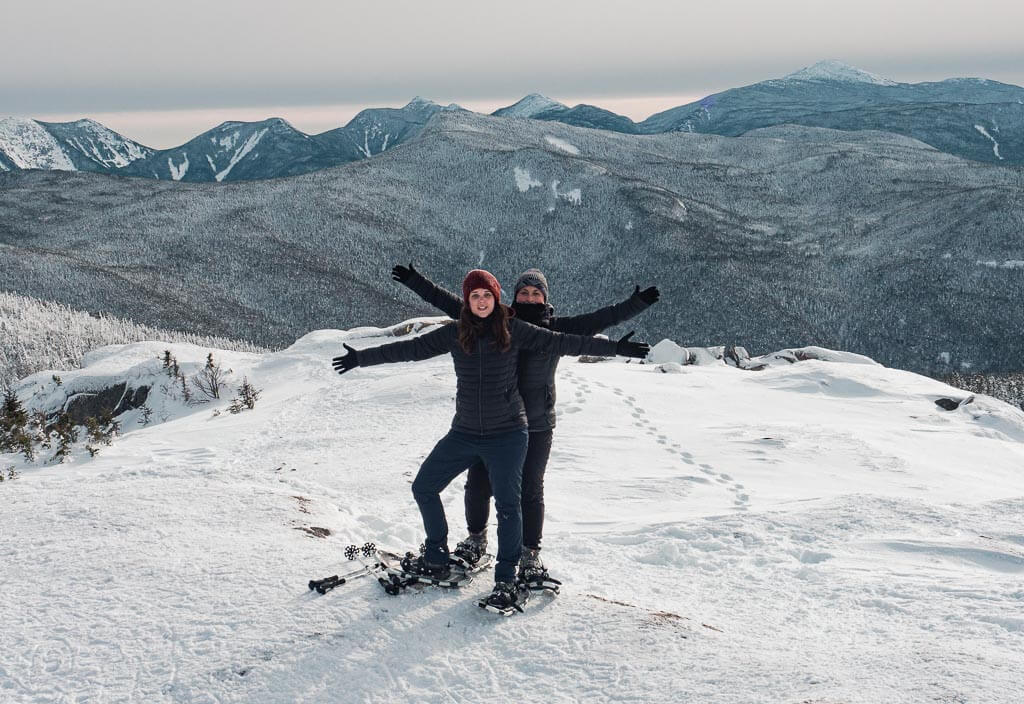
(815, 532)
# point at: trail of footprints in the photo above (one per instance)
(741, 499)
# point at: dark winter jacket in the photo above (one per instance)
(487, 399)
(536, 369)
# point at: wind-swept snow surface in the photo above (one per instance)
(814, 532)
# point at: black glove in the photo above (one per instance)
(348, 361)
(649, 296)
(402, 274)
(631, 349)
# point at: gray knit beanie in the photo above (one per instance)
(532, 277)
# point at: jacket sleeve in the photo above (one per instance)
(538, 339)
(593, 323)
(432, 344)
(440, 298)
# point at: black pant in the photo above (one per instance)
(478, 491)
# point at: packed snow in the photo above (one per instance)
(573, 196)
(995, 144)
(30, 146)
(562, 145)
(819, 531)
(524, 181)
(373, 132)
(241, 152)
(1005, 264)
(178, 172)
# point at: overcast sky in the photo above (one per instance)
(161, 72)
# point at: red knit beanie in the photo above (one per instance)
(478, 278)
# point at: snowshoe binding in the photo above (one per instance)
(470, 551)
(506, 599)
(533, 574)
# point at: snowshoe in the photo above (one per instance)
(534, 574)
(418, 566)
(413, 569)
(506, 598)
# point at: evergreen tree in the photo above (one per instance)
(66, 435)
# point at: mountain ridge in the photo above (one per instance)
(829, 93)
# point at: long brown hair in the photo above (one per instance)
(471, 327)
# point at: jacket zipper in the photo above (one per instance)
(480, 386)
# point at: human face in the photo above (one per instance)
(530, 294)
(481, 302)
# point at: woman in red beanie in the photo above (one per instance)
(490, 424)
(532, 304)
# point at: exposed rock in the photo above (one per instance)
(949, 404)
(114, 400)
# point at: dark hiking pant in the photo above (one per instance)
(503, 455)
(478, 491)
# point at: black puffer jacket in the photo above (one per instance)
(487, 398)
(536, 369)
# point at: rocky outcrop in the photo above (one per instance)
(114, 401)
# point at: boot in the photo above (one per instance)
(506, 596)
(531, 567)
(417, 565)
(470, 550)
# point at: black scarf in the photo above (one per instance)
(535, 313)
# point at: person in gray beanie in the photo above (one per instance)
(532, 304)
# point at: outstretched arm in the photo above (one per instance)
(593, 323)
(538, 339)
(426, 289)
(433, 344)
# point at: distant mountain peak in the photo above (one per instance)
(832, 70)
(532, 104)
(27, 144)
(418, 103)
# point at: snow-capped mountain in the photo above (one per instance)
(232, 151)
(376, 130)
(819, 531)
(588, 116)
(83, 145)
(832, 70)
(94, 147)
(944, 114)
(26, 144)
(529, 106)
(970, 117)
